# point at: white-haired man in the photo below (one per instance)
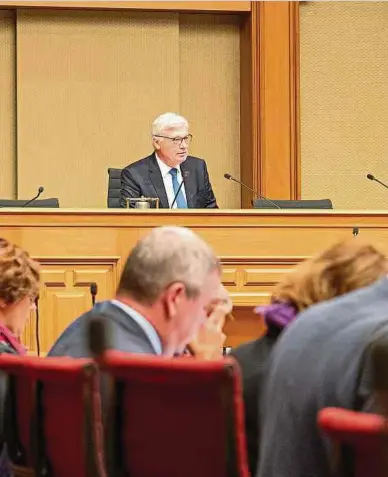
(160, 175)
(162, 299)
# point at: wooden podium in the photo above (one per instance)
(77, 247)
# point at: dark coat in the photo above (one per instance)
(144, 179)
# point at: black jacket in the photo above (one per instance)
(143, 178)
(252, 358)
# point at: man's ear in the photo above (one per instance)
(173, 295)
(156, 143)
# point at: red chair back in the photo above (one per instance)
(66, 430)
(364, 435)
(174, 417)
(18, 411)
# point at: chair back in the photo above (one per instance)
(359, 440)
(19, 408)
(293, 204)
(114, 187)
(65, 430)
(49, 203)
(174, 417)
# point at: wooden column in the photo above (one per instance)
(270, 158)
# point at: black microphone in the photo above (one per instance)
(231, 178)
(37, 326)
(40, 190)
(356, 231)
(373, 178)
(184, 176)
(93, 292)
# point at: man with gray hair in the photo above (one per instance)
(170, 279)
(160, 175)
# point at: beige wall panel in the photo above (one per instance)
(87, 95)
(210, 96)
(7, 105)
(344, 102)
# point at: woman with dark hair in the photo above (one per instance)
(19, 284)
(342, 268)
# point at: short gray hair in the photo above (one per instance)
(167, 121)
(165, 256)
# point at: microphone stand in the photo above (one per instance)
(185, 174)
(231, 178)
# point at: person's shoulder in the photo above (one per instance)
(141, 163)
(196, 160)
(253, 350)
(362, 297)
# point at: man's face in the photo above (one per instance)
(190, 314)
(171, 149)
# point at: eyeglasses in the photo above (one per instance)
(178, 141)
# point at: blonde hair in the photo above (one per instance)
(19, 274)
(344, 267)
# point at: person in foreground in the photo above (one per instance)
(340, 269)
(170, 279)
(160, 174)
(322, 360)
(19, 287)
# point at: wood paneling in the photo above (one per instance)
(239, 6)
(65, 294)
(77, 247)
(278, 83)
(270, 132)
(7, 104)
(210, 44)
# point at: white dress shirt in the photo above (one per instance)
(167, 180)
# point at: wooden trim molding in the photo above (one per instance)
(204, 6)
(278, 85)
(269, 127)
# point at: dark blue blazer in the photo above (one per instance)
(124, 334)
(143, 178)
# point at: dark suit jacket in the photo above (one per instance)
(252, 358)
(320, 360)
(143, 178)
(124, 334)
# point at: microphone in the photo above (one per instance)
(93, 292)
(356, 231)
(231, 178)
(40, 190)
(184, 176)
(373, 178)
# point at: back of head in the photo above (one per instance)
(19, 274)
(165, 256)
(342, 268)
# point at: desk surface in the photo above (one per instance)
(79, 246)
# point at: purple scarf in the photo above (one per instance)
(278, 314)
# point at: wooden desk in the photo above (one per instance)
(77, 247)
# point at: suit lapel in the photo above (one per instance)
(157, 181)
(190, 183)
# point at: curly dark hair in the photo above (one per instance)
(19, 274)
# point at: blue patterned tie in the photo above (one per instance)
(180, 200)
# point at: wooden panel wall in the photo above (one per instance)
(7, 105)
(92, 107)
(344, 102)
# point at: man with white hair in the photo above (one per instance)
(160, 175)
(162, 299)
